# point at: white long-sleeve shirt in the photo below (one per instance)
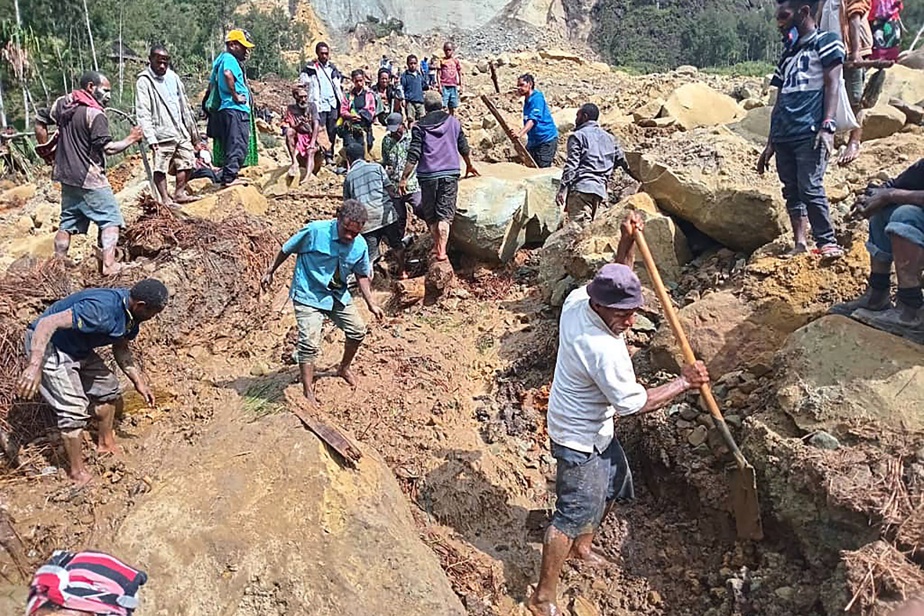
(594, 379)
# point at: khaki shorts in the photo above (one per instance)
(68, 385)
(174, 156)
(310, 322)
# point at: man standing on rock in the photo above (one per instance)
(592, 156)
(414, 84)
(369, 184)
(63, 364)
(169, 127)
(802, 123)
(325, 86)
(538, 125)
(437, 142)
(231, 125)
(84, 141)
(896, 234)
(594, 380)
(328, 251)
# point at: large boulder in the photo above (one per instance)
(903, 83)
(696, 104)
(716, 189)
(508, 206)
(560, 55)
(754, 126)
(220, 205)
(838, 373)
(725, 332)
(564, 119)
(882, 121)
(288, 527)
(572, 256)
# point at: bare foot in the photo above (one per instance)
(109, 449)
(237, 182)
(542, 608)
(347, 375)
(305, 179)
(798, 249)
(589, 557)
(310, 397)
(850, 154)
(80, 479)
(186, 198)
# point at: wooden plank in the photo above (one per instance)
(494, 77)
(330, 434)
(521, 150)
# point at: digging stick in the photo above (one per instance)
(494, 77)
(522, 152)
(743, 482)
(144, 155)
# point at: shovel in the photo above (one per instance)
(743, 483)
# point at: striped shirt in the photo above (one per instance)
(367, 183)
(800, 77)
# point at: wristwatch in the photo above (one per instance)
(829, 126)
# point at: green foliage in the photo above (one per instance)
(654, 36)
(55, 35)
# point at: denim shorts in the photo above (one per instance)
(586, 484)
(450, 97)
(81, 206)
(904, 221)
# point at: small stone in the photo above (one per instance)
(785, 593)
(259, 369)
(683, 424)
(24, 225)
(698, 436)
(643, 324)
(654, 598)
(688, 413)
(583, 607)
(823, 440)
(705, 420)
(733, 420)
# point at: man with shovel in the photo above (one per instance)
(594, 380)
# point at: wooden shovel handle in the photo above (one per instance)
(688, 356)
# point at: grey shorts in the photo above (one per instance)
(854, 79)
(68, 385)
(585, 485)
(438, 199)
(310, 322)
(81, 206)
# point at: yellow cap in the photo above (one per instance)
(239, 36)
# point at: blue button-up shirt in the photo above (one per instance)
(100, 318)
(323, 264)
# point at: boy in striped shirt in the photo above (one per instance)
(802, 124)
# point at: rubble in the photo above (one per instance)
(695, 104)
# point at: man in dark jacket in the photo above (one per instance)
(437, 142)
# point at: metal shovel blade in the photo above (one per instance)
(745, 505)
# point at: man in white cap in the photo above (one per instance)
(594, 380)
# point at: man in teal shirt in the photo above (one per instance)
(232, 123)
(328, 251)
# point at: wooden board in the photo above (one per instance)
(521, 150)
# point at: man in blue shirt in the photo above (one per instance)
(328, 251)
(413, 82)
(538, 125)
(802, 123)
(64, 367)
(232, 127)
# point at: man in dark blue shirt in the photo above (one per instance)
(64, 366)
(803, 123)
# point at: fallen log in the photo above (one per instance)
(521, 150)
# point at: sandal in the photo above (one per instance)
(829, 251)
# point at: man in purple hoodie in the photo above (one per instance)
(437, 141)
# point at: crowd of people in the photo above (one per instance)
(419, 173)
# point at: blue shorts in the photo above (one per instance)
(81, 206)
(586, 484)
(450, 97)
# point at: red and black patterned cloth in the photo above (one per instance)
(90, 582)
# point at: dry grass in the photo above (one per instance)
(880, 571)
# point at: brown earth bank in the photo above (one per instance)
(233, 507)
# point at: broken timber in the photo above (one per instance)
(521, 150)
(331, 435)
(494, 77)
